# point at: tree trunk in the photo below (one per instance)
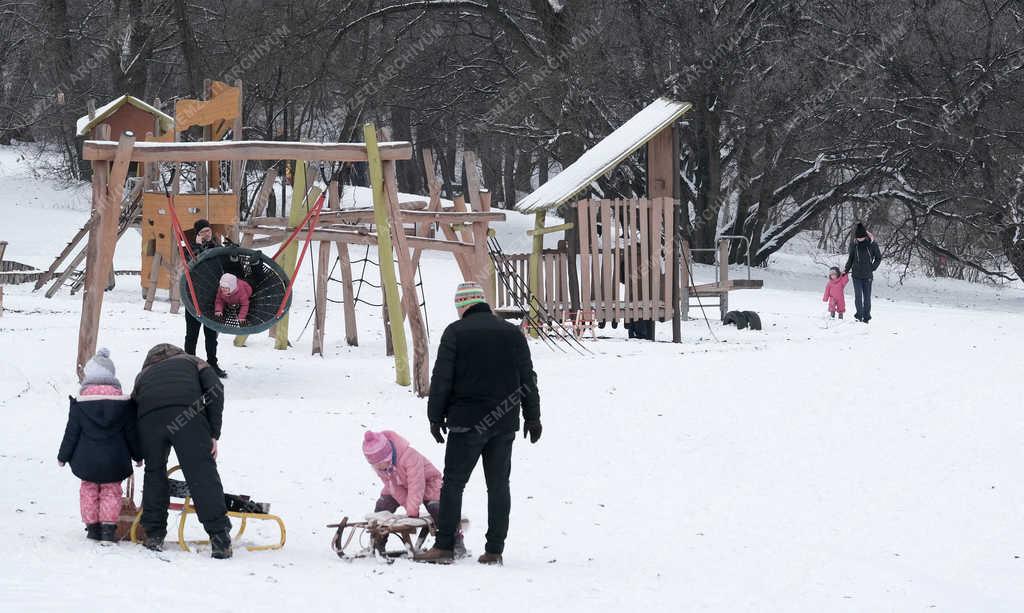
(189, 49)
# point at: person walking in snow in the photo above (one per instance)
(409, 479)
(232, 291)
(180, 402)
(863, 261)
(835, 292)
(482, 378)
(204, 241)
(100, 441)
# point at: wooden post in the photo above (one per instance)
(154, 277)
(684, 282)
(535, 254)
(322, 274)
(351, 334)
(291, 252)
(407, 275)
(491, 288)
(723, 276)
(237, 166)
(435, 197)
(388, 280)
(108, 191)
(3, 247)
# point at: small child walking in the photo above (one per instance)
(409, 478)
(100, 442)
(835, 292)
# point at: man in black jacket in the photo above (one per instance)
(482, 377)
(865, 256)
(204, 241)
(180, 401)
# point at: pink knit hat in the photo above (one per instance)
(376, 447)
(229, 282)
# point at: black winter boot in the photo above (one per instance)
(92, 531)
(108, 532)
(220, 371)
(154, 543)
(221, 545)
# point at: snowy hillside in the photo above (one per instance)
(812, 466)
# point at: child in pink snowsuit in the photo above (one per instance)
(233, 291)
(100, 442)
(410, 480)
(835, 292)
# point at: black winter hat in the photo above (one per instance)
(860, 232)
(199, 225)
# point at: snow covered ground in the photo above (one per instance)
(812, 466)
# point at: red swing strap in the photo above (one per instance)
(179, 239)
(312, 217)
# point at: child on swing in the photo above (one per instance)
(835, 292)
(410, 480)
(233, 292)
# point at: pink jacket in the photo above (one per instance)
(240, 296)
(413, 480)
(835, 293)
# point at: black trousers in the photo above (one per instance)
(862, 297)
(460, 456)
(188, 433)
(192, 326)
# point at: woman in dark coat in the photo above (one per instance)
(865, 256)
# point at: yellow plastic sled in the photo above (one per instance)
(186, 508)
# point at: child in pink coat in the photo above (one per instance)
(835, 292)
(410, 480)
(100, 441)
(232, 291)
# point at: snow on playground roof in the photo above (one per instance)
(605, 155)
(85, 124)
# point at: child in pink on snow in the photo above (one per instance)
(100, 442)
(233, 291)
(835, 292)
(410, 480)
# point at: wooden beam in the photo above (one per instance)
(3, 247)
(322, 273)
(534, 280)
(407, 275)
(347, 297)
(388, 280)
(96, 150)
(105, 189)
(549, 229)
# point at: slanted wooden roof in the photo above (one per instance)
(85, 124)
(605, 155)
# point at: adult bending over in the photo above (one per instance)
(482, 377)
(180, 401)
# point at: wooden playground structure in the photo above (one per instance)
(619, 260)
(399, 233)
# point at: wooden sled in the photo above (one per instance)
(186, 508)
(383, 524)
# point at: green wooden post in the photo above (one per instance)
(388, 281)
(538, 247)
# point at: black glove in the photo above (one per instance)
(436, 430)
(533, 429)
